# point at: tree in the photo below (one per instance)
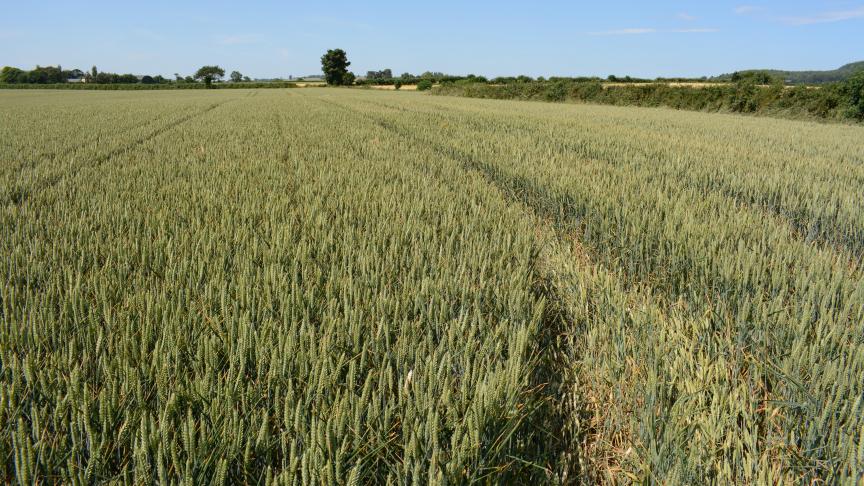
(126, 79)
(11, 75)
(349, 79)
(335, 66)
(73, 74)
(853, 90)
(246, 79)
(236, 77)
(209, 73)
(46, 75)
(424, 85)
(147, 80)
(384, 74)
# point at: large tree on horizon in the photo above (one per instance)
(335, 66)
(209, 73)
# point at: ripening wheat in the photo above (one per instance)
(342, 286)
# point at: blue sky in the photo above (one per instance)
(278, 38)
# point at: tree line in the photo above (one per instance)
(335, 63)
(749, 94)
(57, 75)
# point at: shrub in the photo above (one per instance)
(557, 91)
(424, 85)
(853, 91)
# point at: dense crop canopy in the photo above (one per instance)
(321, 285)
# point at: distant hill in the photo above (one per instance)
(807, 77)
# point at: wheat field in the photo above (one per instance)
(356, 286)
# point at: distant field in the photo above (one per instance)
(672, 84)
(390, 87)
(358, 286)
(689, 85)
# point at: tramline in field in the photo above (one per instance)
(333, 285)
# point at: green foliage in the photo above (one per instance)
(747, 95)
(424, 85)
(802, 77)
(50, 75)
(208, 74)
(755, 77)
(349, 79)
(853, 91)
(334, 64)
(557, 91)
(236, 77)
(158, 85)
(39, 75)
(11, 75)
(384, 74)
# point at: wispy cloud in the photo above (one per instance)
(240, 39)
(686, 16)
(643, 31)
(826, 17)
(747, 9)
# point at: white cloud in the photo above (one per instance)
(826, 17)
(236, 40)
(642, 31)
(686, 16)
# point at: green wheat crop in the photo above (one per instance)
(349, 287)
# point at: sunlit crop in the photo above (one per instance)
(346, 286)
